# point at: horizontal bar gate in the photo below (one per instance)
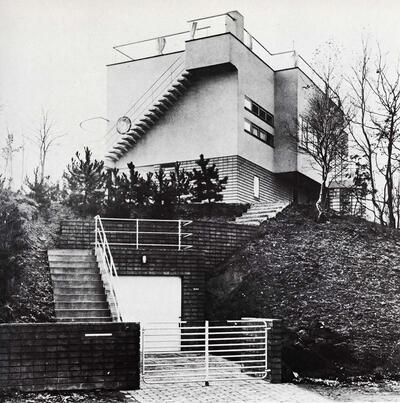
(183, 352)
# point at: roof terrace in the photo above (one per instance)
(231, 22)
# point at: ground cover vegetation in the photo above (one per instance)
(30, 218)
(26, 232)
(335, 285)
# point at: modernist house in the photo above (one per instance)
(213, 90)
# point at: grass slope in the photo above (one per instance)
(335, 285)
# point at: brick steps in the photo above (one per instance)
(79, 294)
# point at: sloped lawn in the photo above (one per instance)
(335, 285)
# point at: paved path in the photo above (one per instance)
(252, 391)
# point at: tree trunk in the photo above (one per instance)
(321, 202)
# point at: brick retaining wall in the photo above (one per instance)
(58, 356)
(212, 244)
(216, 241)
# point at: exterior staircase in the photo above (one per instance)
(153, 104)
(260, 212)
(79, 294)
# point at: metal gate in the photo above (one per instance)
(188, 352)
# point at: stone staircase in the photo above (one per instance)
(79, 294)
(170, 87)
(260, 212)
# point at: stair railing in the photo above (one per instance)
(101, 245)
(154, 92)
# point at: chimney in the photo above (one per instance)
(234, 23)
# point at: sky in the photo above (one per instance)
(53, 55)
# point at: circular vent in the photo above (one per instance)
(124, 125)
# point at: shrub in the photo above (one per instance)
(206, 184)
(85, 184)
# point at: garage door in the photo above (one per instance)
(150, 298)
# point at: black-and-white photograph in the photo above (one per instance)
(199, 201)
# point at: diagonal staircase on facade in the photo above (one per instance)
(153, 104)
(79, 294)
(260, 212)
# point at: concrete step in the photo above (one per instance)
(78, 285)
(76, 276)
(249, 222)
(85, 319)
(88, 296)
(85, 304)
(82, 313)
(266, 208)
(73, 270)
(260, 214)
(71, 259)
(75, 265)
(70, 252)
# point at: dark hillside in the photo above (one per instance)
(335, 285)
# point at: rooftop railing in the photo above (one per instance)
(210, 26)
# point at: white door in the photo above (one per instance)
(148, 299)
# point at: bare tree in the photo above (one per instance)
(321, 135)
(8, 152)
(376, 131)
(45, 138)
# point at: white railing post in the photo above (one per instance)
(266, 348)
(95, 231)
(179, 234)
(143, 353)
(137, 233)
(206, 349)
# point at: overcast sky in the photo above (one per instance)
(53, 53)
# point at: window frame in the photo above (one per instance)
(269, 117)
(257, 132)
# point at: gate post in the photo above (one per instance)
(207, 364)
(275, 351)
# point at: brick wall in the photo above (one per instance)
(240, 172)
(57, 356)
(212, 244)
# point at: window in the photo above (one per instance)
(307, 139)
(256, 187)
(256, 131)
(260, 112)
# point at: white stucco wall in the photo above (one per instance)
(202, 121)
(305, 163)
(209, 118)
(126, 82)
(286, 110)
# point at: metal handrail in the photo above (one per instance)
(149, 90)
(136, 232)
(101, 244)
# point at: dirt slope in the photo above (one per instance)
(335, 285)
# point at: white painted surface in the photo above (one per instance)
(150, 298)
(256, 187)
